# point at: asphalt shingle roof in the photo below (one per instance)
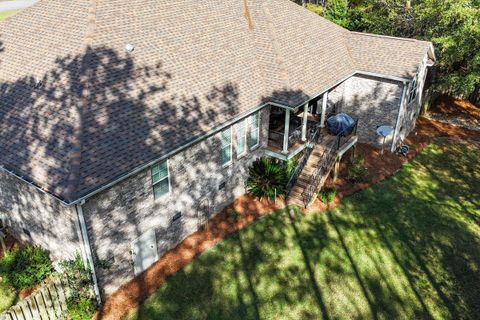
(77, 111)
(392, 56)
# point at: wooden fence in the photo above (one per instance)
(49, 302)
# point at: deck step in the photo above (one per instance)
(313, 163)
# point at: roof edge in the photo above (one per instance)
(198, 139)
(367, 34)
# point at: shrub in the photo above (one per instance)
(327, 195)
(357, 172)
(233, 216)
(81, 309)
(77, 277)
(315, 8)
(25, 267)
(80, 304)
(290, 166)
(268, 178)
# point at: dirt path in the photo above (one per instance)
(134, 292)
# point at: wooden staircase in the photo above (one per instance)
(316, 159)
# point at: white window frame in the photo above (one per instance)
(412, 92)
(243, 137)
(167, 177)
(226, 164)
(257, 129)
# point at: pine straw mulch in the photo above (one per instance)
(455, 111)
(381, 167)
(134, 292)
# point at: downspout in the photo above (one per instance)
(399, 116)
(88, 250)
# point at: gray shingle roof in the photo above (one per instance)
(392, 56)
(77, 111)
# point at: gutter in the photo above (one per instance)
(200, 138)
(357, 72)
(88, 251)
(175, 151)
(3, 169)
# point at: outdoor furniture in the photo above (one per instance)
(384, 131)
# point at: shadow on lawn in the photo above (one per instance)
(436, 250)
(403, 252)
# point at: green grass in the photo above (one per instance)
(8, 297)
(5, 15)
(408, 248)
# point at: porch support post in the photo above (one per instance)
(324, 110)
(335, 170)
(304, 123)
(287, 130)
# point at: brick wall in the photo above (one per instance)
(39, 219)
(375, 102)
(411, 111)
(118, 216)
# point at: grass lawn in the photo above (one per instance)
(408, 248)
(7, 297)
(5, 15)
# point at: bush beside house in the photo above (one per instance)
(268, 178)
(81, 302)
(327, 194)
(25, 267)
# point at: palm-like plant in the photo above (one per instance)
(268, 178)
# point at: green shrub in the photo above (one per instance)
(77, 277)
(327, 195)
(80, 304)
(81, 309)
(357, 172)
(233, 216)
(290, 166)
(337, 12)
(315, 8)
(268, 178)
(25, 267)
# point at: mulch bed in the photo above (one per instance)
(381, 167)
(456, 111)
(134, 292)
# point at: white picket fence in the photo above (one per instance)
(49, 302)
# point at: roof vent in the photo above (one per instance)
(38, 84)
(129, 47)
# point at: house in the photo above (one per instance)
(125, 125)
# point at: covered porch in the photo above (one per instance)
(291, 130)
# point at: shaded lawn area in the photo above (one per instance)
(5, 15)
(407, 248)
(8, 297)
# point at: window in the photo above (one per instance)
(241, 129)
(254, 130)
(226, 137)
(160, 179)
(412, 91)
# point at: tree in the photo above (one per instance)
(452, 25)
(337, 12)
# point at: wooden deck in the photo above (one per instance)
(316, 159)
